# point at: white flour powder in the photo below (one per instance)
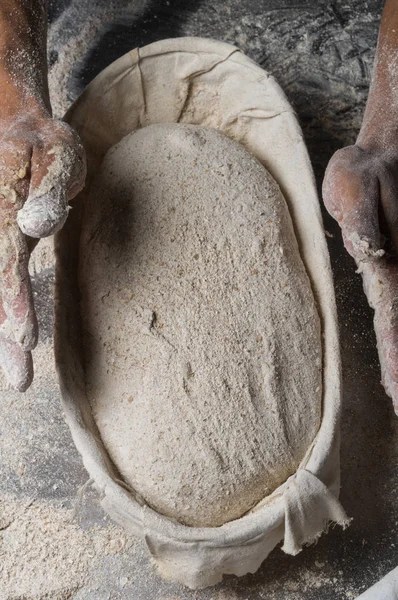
(202, 338)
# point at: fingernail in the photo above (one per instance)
(43, 216)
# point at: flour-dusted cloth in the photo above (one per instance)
(203, 82)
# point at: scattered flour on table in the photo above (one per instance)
(42, 257)
(44, 554)
(71, 38)
(202, 341)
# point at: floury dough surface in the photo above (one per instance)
(202, 342)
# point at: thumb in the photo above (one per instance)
(57, 174)
(351, 195)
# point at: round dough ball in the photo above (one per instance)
(202, 338)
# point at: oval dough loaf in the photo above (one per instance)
(202, 338)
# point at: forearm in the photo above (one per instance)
(23, 61)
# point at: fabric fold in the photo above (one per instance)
(309, 509)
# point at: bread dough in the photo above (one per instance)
(201, 335)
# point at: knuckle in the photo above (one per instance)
(352, 162)
(54, 133)
(66, 144)
(348, 155)
(62, 132)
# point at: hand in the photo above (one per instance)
(42, 167)
(360, 191)
(380, 281)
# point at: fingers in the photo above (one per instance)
(16, 364)
(57, 174)
(42, 167)
(360, 191)
(351, 196)
(18, 324)
(389, 202)
(15, 288)
(381, 288)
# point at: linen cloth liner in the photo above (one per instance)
(205, 82)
